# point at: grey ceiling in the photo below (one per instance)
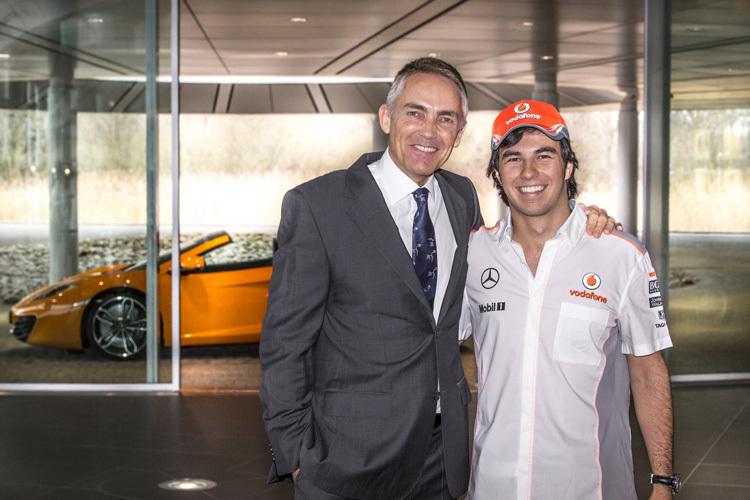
(596, 48)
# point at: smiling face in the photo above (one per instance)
(533, 176)
(425, 125)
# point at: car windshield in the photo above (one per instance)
(166, 255)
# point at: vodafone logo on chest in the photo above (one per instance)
(590, 282)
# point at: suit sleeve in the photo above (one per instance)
(466, 323)
(296, 306)
(477, 219)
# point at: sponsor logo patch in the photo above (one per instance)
(653, 287)
(491, 307)
(591, 281)
(522, 116)
(490, 277)
(522, 107)
(661, 314)
(589, 295)
(660, 325)
(654, 302)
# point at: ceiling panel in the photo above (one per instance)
(597, 47)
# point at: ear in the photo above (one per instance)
(458, 136)
(568, 170)
(385, 118)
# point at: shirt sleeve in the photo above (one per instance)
(643, 324)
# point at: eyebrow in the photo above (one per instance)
(545, 149)
(420, 107)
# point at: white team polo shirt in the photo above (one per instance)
(554, 388)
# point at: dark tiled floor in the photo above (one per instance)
(81, 447)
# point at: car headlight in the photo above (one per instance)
(55, 291)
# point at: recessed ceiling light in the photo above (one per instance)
(547, 58)
(95, 20)
(281, 54)
(4, 56)
(298, 20)
(433, 54)
(694, 29)
(527, 24)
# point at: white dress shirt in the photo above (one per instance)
(554, 388)
(397, 189)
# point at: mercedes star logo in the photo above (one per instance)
(490, 277)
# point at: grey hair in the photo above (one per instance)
(431, 65)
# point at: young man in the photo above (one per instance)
(564, 328)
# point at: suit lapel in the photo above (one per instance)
(371, 215)
(456, 208)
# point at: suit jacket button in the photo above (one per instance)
(437, 333)
(436, 396)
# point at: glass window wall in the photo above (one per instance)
(73, 176)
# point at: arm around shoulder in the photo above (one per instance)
(478, 220)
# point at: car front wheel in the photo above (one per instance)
(115, 324)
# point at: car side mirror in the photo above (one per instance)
(191, 264)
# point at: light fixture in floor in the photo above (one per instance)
(187, 484)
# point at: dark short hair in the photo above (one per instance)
(433, 66)
(513, 138)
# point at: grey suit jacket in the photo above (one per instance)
(350, 350)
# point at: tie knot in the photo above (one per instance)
(420, 196)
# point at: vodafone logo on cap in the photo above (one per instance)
(591, 281)
(522, 107)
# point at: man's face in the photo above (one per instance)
(533, 176)
(425, 126)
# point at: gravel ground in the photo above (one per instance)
(25, 267)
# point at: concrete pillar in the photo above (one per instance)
(629, 43)
(545, 52)
(152, 194)
(657, 80)
(62, 160)
(627, 163)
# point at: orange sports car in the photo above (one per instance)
(223, 302)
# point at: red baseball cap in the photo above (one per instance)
(539, 115)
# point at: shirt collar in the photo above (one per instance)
(575, 225)
(572, 229)
(395, 184)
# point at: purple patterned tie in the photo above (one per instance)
(424, 245)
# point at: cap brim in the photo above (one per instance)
(556, 135)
